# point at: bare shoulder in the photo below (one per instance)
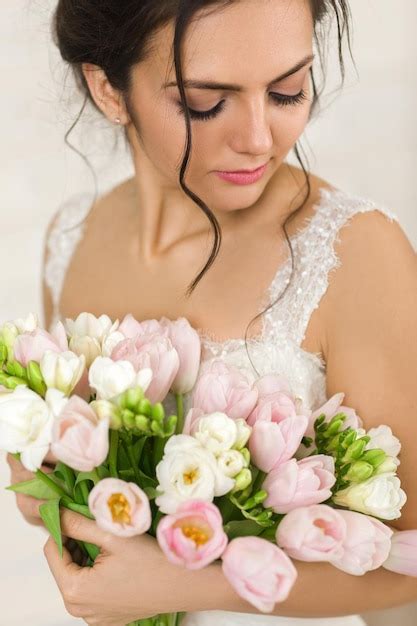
(376, 274)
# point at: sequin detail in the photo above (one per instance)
(277, 348)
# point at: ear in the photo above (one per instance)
(108, 99)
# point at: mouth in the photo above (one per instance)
(253, 171)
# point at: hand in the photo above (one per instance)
(28, 506)
(131, 578)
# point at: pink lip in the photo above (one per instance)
(243, 177)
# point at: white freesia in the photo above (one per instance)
(26, 423)
(62, 370)
(230, 462)
(111, 378)
(188, 471)
(380, 496)
(389, 466)
(382, 437)
(217, 432)
(243, 434)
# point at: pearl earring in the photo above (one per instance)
(118, 120)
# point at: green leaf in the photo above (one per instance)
(86, 476)
(242, 528)
(35, 488)
(49, 512)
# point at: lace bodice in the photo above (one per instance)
(278, 346)
(276, 349)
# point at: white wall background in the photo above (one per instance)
(364, 142)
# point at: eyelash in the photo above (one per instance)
(280, 100)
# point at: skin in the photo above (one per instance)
(158, 240)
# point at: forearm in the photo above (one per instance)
(321, 590)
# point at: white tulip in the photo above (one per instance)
(380, 496)
(110, 342)
(26, 423)
(88, 325)
(382, 437)
(231, 462)
(111, 378)
(217, 432)
(62, 370)
(188, 471)
(87, 346)
(27, 325)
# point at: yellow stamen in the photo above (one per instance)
(190, 476)
(119, 508)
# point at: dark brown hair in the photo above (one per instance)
(116, 35)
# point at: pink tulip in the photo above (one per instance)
(224, 388)
(300, 483)
(194, 535)
(120, 507)
(79, 438)
(259, 571)
(131, 328)
(312, 533)
(402, 558)
(271, 444)
(367, 543)
(155, 351)
(32, 346)
(275, 402)
(187, 343)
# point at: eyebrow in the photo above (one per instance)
(198, 84)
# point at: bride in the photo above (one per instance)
(212, 97)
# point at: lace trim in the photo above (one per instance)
(66, 233)
(287, 320)
(314, 260)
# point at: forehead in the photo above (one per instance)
(235, 42)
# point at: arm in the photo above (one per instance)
(369, 339)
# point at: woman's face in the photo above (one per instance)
(247, 44)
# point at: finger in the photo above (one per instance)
(29, 505)
(62, 568)
(79, 527)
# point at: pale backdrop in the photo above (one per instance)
(365, 142)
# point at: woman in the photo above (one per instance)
(233, 82)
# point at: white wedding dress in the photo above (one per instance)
(277, 349)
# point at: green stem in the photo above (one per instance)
(180, 412)
(131, 457)
(114, 442)
(84, 491)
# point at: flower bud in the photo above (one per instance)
(355, 451)
(128, 418)
(158, 412)
(130, 398)
(246, 456)
(375, 457)
(35, 378)
(359, 471)
(141, 422)
(242, 480)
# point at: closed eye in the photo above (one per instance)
(279, 99)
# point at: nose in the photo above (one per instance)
(252, 133)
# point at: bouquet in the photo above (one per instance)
(213, 464)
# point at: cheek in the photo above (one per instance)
(290, 126)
